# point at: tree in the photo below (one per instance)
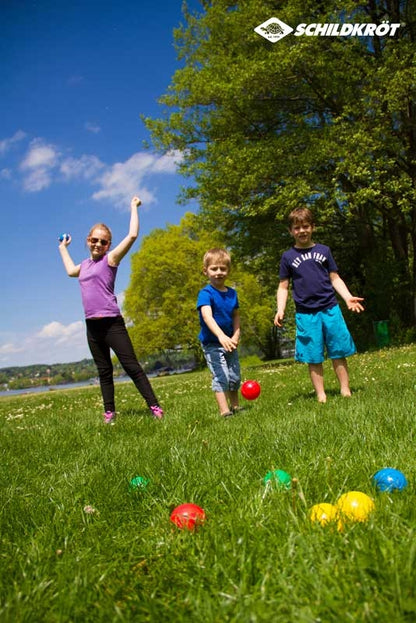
(330, 121)
(166, 276)
(257, 312)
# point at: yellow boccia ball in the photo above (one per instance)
(323, 513)
(355, 506)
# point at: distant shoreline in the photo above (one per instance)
(90, 383)
(47, 388)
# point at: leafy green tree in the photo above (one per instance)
(256, 311)
(330, 121)
(166, 276)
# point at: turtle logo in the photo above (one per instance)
(273, 29)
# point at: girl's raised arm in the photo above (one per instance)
(116, 255)
(71, 268)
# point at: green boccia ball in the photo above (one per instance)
(278, 478)
(138, 483)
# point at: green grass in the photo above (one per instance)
(257, 557)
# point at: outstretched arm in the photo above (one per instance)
(353, 302)
(71, 268)
(116, 255)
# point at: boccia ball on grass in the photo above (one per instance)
(187, 516)
(323, 513)
(389, 479)
(279, 478)
(138, 483)
(355, 506)
(250, 390)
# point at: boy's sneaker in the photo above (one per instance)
(157, 412)
(238, 409)
(109, 417)
(227, 414)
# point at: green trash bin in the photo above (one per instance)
(381, 331)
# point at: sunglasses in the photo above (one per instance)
(102, 242)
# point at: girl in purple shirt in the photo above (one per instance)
(105, 325)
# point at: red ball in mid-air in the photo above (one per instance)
(187, 516)
(250, 390)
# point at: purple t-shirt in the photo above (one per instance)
(97, 279)
(309, 271)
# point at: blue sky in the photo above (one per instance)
(75, 77)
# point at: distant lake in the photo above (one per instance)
(88, 383)
(47, 388)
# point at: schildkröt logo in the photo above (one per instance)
(274, 29)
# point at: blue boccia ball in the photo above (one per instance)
(63, 237)
(389, 479)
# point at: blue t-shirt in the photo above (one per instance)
(309, 271)
(223, 305)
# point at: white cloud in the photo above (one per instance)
(8, 143)
(37, 180)
(38, 165)
(124, 179)
(92, 127)
(167, 163)
(57, 331)
(9, 349)
(86, 167)
(53, 343)
(40, 154)
(44, 164)
(120, 298)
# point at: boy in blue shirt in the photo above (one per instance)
(219, 318)
(319, 321)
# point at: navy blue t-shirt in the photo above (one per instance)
(223, 305)
(309, 271)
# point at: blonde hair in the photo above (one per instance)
(216, 255)
(300, 215)
(101, 226)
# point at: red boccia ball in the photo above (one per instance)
(187, 516)
(250, 390)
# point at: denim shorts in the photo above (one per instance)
(224, 367)
(321, 329)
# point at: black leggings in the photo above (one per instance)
(106, 333)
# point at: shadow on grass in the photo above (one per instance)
(135, 412)
(330, 393)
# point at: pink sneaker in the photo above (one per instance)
(157, 412)
(109, 417)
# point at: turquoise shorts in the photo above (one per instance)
(321, 329)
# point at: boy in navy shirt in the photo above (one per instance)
(219, 318)
(319, 321)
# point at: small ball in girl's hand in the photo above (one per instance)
(63, 237)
